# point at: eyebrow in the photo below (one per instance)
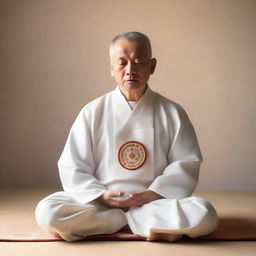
(136, 57)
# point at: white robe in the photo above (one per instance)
(89, 163)
(89, 150)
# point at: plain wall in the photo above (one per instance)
(54, 60)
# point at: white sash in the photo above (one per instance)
(136, 125)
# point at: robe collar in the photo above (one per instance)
(138, 118)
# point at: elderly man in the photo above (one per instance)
(131, 157)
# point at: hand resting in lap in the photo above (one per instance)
(114, 199)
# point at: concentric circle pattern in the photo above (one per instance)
(132, 155)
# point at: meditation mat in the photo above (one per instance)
(236, 211)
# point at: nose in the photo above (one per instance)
(130, 69)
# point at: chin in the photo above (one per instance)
(132, 86)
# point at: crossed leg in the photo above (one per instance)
(62, 216)
(170, 219)
(164, 219)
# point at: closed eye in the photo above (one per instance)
(139, 62)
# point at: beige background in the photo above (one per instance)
(53, 58)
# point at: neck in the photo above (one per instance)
(133, 94)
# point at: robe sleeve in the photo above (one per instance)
(76, 163)
(180, 176)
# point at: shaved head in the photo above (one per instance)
(131, 36)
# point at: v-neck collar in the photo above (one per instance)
(140, 116)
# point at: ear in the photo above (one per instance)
(110, 67)
(152, 65)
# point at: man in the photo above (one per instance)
(131, 157)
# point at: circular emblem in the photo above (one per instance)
(132, 155)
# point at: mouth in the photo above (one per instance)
(131, 80)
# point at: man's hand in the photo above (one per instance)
(113, 199)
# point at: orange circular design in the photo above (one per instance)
(132, 155)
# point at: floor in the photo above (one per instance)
(112, 248)
(117, 248)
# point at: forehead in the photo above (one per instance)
(130, 49)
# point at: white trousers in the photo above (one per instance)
(61, 215)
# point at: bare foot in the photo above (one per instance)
(162, 235)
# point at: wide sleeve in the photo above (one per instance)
(180, 176)
(76, 163)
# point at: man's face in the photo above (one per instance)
(130, 64)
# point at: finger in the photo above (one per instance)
(138, 193)
(123, 202)
(120, 199)
(116, 204)
(135, 195)
(116, 193)
(130, 202)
